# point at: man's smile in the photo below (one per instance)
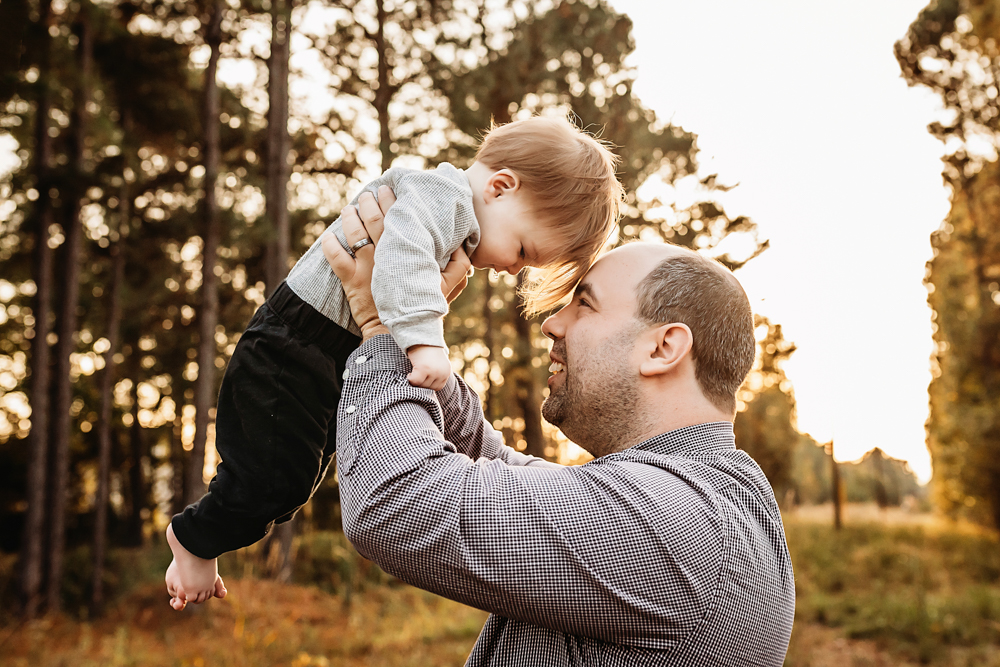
(558, 365)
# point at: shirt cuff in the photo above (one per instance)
(378, 353)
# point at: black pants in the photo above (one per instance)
(275, 426)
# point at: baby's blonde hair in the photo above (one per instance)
(570, 178)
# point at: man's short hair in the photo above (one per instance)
(704, 295)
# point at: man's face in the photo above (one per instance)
(594, 386)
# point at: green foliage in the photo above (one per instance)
(876, 478)
(881, 479)
(326, 559)
(915, 590)
(964, 428)
(796, 466)
(765, 421)
(952, 49)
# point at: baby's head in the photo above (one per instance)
(545, 195)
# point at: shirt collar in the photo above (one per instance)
(708, 437)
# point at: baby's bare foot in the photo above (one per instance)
(189, 578)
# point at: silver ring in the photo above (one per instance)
(360, 244)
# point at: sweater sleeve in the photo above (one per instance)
(429, 221)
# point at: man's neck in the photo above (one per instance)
(655, 416)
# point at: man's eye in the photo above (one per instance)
(582, 302)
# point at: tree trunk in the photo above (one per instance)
(107, 397)
(836, 490)
(527, 393)
(13, 25)
(177, 459)
(32, 542)
(384, 93)
(68, 319)
(277, 551)
(205, 391)
(277, 144)
(137, 477)
(278, 546)
(881, 489)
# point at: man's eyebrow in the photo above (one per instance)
(586, 288)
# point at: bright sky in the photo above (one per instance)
(802, 104)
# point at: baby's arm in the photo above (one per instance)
(420, 229)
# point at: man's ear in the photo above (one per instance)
(500, 183)
(667, 346)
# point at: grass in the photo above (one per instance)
(259, 624)
(920, 592)
(888, 589)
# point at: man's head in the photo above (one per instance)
(657, 337)
(546, 195)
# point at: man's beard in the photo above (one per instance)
(596, 404)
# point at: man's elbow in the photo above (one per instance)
(354, 530)
(361, 533)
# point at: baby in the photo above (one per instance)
(540, 193)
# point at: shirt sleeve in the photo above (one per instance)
(420, 233)
(573, 549)
(466, 428)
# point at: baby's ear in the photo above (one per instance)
(502, 182)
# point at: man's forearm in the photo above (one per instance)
(371, 329)
(466, 427)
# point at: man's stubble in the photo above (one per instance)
(596, 405)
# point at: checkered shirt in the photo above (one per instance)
(671, 552)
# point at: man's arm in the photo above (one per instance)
(576, 549)
(466, 427)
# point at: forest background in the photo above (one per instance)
(170, 160)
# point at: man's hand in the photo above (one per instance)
(366, 221)
(431, 366)
(455, 276)
(355, 273)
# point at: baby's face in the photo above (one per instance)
(512, 237)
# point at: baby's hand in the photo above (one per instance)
(189, 578)
(431, 366)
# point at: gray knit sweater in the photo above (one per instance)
(432, 217)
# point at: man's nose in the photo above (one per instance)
(553, 326)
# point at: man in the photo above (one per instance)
(667, 549)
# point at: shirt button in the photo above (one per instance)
(347, 373)
(360, 360)
(350, 409)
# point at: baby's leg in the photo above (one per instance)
(277, 406)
